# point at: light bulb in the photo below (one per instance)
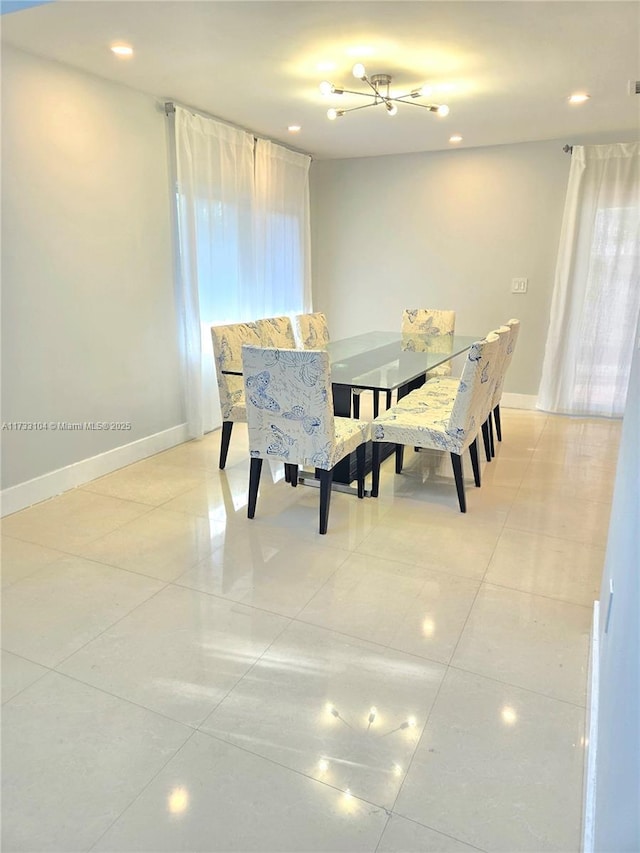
(392, 109)
(443, 110)
(332, 114)
(359, 71)
(425, 91)
(326, 88)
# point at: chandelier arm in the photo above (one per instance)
(361, 94)
(431, 107)
(374, 89)
(363, 107)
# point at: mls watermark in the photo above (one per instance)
(65, 426)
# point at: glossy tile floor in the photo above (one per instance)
(178, 678)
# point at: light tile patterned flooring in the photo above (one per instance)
(178, 678)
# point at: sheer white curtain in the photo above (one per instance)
(214, 165)
(243, 235)
(282, 230)
(596, 298)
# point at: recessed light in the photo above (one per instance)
(455, 138)
(578, 98)
(123, 50)
(294, 128)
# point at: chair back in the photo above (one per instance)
(227, 351)
(475, 391)
(313, 332)
(289, 405)
(276, 332)
(504, 335)
(514, 328)
(428, 321)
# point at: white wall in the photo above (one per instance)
(617, 779)
(89, 329)
(441, 230)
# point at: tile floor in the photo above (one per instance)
(178, 678)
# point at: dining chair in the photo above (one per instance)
(227, 350)
(514, 328)
(276, 332)
(450, 385)
(433, 420)
(313, 333)
(312, 330)
(290, 417)
(431, 322)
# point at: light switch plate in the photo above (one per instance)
(519, 285)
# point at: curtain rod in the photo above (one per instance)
(170, 108)
(568, 149)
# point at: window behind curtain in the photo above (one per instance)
(244, 246)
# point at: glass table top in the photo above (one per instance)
(387, 360)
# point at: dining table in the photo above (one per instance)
(383, 362)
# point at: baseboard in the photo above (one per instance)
(589, 798)
(518, 401)
(54, 483)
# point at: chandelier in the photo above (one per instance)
(379, 94)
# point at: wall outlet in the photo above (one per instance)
(519, 285)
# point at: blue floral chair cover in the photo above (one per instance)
(450, 385)
(276, 332)
(313, 331)
(290, 417)
(514, 329)
(227, 350)
(435, 420)
(428, 322)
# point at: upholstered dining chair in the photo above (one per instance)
(276, 332)
(450, 384)
(431, 322)
(313, 333)
(432, 420)
(227, 350)
(514, 329)
(290, 417)
(312, 330)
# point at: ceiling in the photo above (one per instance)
(504, 68)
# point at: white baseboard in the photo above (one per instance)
(55, 482)
(589, 798)
(518, 401)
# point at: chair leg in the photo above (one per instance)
(388, 399)
(360, 460)
(496, 415)
(356, 406)
(287, 473)
(376, 404)
(227, 426)
(254, 481)
(486, 440)
(475, 464)
(399, 458)
(492, 446)
(325, 498)
(375, 469)
(456, 461)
